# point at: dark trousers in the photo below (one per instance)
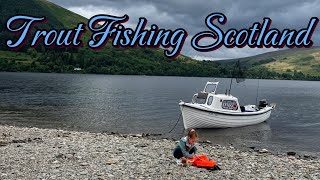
(177, 153)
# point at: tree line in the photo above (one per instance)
(133, 62)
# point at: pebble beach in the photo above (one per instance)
(33, 153)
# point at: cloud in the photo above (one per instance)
(190, 15)
(149, 11)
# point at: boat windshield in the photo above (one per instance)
(210, 88)
(200, 98)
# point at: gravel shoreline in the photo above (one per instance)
(33, 153)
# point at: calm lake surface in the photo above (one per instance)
(149, 104)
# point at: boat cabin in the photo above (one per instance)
(208, 98)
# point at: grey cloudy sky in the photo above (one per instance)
(191, 14)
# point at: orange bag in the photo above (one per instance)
(202, 161)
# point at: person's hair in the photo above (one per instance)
(192, 133)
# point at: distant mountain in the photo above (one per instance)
(305, 60)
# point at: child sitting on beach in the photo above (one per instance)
(186, 147)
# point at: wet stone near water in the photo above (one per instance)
(84, 155)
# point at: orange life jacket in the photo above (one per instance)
(202, 161)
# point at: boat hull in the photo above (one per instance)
(200, 118)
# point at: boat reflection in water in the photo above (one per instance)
(254, 135)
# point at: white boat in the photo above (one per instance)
(211, 110)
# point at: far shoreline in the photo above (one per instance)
(101, 74)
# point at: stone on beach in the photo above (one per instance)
(291, 153)
(263, 151)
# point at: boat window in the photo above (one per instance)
(210, 99)
(210, 88)
(198, 100)
(194, 98)
(229, 104)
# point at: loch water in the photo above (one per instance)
(149, 104)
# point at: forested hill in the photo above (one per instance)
(109, 60)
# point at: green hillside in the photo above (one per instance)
(66, 17)
(306, 61)
(109, 60)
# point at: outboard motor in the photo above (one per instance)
(263, 103)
